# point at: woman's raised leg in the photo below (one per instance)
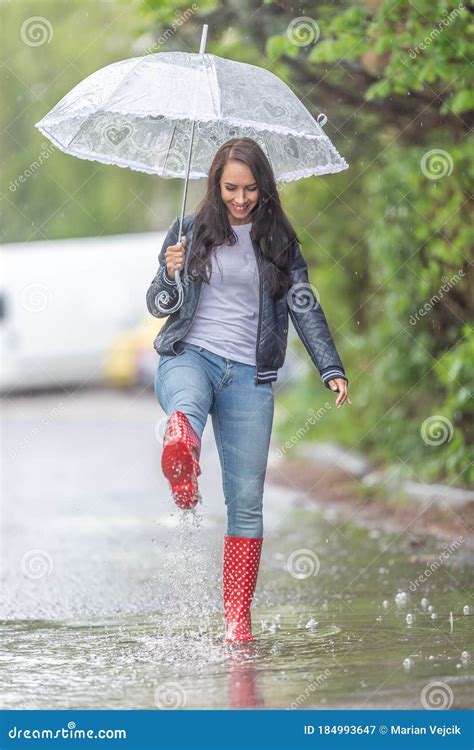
(184, 390)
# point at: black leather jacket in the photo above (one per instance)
(272, 333)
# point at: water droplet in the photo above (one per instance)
(465, 656)
(385, 603)
(409, 618)
(424, 602)
(311, 623)
(401, 597)
(430, 608)
(434, 616)
(407, 663)
(466, 610)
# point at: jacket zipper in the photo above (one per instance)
(260, 287)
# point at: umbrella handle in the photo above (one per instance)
(163, 298)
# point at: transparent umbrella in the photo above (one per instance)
(168, 113)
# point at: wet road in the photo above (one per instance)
(111, 598)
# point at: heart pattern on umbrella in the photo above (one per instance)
(274, 109)
(291, 147)
(117, 135)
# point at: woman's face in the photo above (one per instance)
(239, 191)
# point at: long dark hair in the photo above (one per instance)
(270, 227)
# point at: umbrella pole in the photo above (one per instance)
(188, 166)
(177, 276)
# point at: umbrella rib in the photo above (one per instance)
(124, 78)
(215, 88)
(127, 75)
(169, 144)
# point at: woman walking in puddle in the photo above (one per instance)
(242, 273)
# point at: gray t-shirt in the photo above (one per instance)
(227, 316)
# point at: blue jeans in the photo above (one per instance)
(199, 382)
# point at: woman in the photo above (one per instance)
(242, 273)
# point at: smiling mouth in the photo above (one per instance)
(240, 209)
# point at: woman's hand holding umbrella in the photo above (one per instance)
(174, 257)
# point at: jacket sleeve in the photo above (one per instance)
(310, 322)
(161, 284)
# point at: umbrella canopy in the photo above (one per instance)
(139, 113)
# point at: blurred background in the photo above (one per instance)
(388, 240)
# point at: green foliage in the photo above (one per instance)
(407, 363)
(427, 47)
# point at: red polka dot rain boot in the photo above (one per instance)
(180, 460)
(240, 570)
